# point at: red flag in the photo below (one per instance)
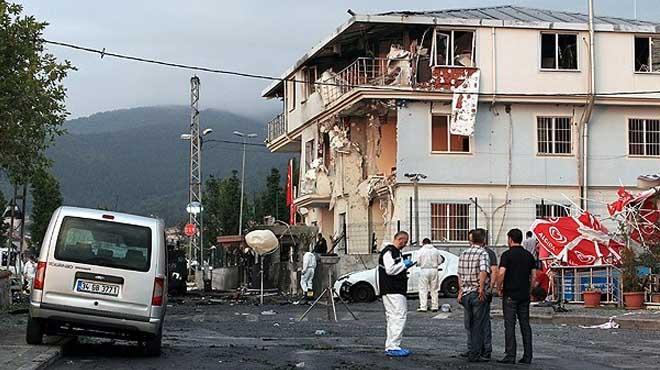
(290, 196)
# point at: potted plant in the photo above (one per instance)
(633, 284)
(591, 297)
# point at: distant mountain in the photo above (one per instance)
(133, 160)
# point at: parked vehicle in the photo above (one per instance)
(100, 273)
(362, 286)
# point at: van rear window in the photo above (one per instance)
(104, 243)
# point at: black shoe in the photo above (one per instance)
(507, 360)
(478, 359)
(486, 356)
(465, 354)
(525, 361)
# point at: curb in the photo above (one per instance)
(43, 359)
(575, 320)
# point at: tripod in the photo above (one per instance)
(330, 291)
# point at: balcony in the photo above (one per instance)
(276, 127)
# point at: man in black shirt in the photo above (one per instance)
(517, 274)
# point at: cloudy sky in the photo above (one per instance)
(263, 37)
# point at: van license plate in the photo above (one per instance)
(97, 288)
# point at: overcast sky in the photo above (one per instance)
(263, 37)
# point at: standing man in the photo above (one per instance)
(473, 268)
(531, 244)
(490, 289)
(393, 284)
(307, 277)
(429, 260)
(517, 275)
(321, 246)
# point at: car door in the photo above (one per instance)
(442, 269)
(413, 274)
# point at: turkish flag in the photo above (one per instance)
(290, 196)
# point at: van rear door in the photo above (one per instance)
(102, 267)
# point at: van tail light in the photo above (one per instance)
(159, 290)
(40, 276)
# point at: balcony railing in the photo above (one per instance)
(362, 72)
(276, 127)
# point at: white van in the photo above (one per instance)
(100, 273)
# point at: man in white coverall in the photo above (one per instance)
(393, 285)
(429, 260)
(308, 267)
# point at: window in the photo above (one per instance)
(450, 221)
(644, 137)
(290, 95)
(309, 154)
(559, 51)
(443, 141)
(310, 78)
(452, 48)
(553, 135)
(647, 54)
(104, 243)
(552, 210)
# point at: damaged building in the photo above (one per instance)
(493, 105)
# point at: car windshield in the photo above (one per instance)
(104, 243)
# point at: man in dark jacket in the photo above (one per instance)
(393, 284)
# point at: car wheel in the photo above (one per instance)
(362, 292)
(152, 344)
(35, 331)
(450, 287)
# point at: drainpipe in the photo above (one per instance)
(493, 64)
(589, 110)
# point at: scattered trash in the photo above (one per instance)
(320, 332)
(268, 313)
(237, 314)
(300, 365)
(611, 324)
(244, 314)
(445, 307)
(441, 316)
(216, 301)
(276, 324)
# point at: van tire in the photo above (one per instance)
(35, 331)
(152, 344)
(362, 292)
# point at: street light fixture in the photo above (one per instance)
(245, 137)
(414, 178)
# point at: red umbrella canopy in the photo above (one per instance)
(574, 241)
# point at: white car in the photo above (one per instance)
(362, 286)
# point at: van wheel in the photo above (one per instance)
(152, 344)
(35, 331)
(450, 287)
(362, 292)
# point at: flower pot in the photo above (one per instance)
(633, 300)
(591, 298)
(655, 298)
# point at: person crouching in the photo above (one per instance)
(393, 283)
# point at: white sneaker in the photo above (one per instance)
(421, 310)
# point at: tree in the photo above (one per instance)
(46, 197)
(221, 204)
(272, 201)
(3, 227)
(32, 107)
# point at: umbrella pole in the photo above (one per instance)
(261, 262)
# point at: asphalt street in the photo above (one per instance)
(225, 336)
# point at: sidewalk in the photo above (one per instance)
(578, 315)
(15, 354)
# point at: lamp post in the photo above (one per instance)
(414, 178)
(245, 137)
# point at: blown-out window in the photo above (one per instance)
(442, 141)
(559, 51)
(647, 54)
(452, 48)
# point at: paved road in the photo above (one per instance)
(240, 337)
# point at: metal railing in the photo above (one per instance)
(362, 72)
(276, 127)
(571, 281)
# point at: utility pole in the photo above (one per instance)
(414, 178)
(240, 215)
(195, 184)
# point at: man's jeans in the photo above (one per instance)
(519, 309)
(475, 315)
(487, 349)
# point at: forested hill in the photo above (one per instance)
(133, 160)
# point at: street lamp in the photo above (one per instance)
(414, 178)
(245, 137)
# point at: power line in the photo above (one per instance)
(103, 53)
(233, 142)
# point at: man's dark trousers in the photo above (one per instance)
(516, 309)
(488, 334)
(475, 315)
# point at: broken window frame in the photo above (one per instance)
(551, 145)
(557, 66)
(309, 87)
(446, 212)
(309, 153)
(290, 93)
(652, 40)
(449, 137)
(450, 57)
(645, 140)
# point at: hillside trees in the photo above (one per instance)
(46, 198)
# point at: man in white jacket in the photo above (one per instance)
(307, 277)
(429, 260)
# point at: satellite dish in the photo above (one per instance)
(262, 241)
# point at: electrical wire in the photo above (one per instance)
(103, 53)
